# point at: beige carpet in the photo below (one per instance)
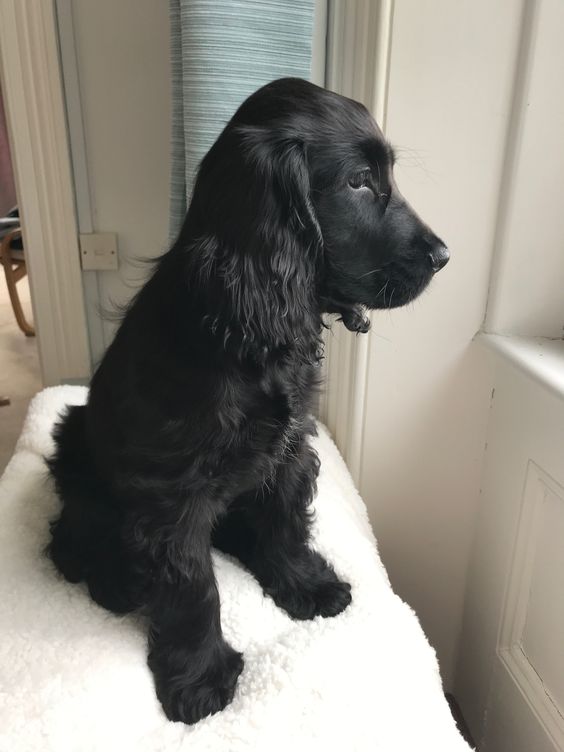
(20, 378)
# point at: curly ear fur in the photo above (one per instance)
(257, 257)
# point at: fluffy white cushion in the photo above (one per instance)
(74, 678)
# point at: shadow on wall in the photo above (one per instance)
(425, 473)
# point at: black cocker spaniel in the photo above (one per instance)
(196, 431)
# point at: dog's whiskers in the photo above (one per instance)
(372, 271)
(383, 289)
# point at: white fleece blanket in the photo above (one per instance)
(73, 677)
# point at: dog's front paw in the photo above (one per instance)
(312, 589)
(306, 602)
(204, 688)
(332, 597)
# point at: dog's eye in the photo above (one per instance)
(361, 179)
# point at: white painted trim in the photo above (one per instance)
(539, 357)
(358, 55)
(73, 107)
(319, 43)
(529, 25)
(32, 87)
(85, 207)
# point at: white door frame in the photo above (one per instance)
(357, 65)
(33, 94)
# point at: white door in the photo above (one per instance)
(511, 674)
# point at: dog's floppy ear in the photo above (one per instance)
(280, 162)
(263, 264)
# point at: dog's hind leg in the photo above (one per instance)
(85, 538)
(72, 533)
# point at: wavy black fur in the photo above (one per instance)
(196, 432)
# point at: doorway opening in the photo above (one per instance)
(20, 375)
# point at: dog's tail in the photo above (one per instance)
(85, 541)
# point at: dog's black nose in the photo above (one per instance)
(439, 257)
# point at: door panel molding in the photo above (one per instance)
(538, 491)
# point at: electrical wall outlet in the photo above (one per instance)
(98, 251)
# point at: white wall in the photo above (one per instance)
(123, 104)
(451, 77)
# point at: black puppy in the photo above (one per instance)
(196, 432)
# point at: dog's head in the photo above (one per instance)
(299, 213)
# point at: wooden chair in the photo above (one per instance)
(13, 261)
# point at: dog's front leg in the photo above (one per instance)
(269, 532)
(194, 668)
